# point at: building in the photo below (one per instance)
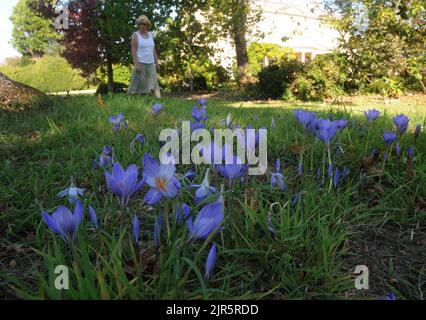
(295, 24)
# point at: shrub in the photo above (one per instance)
(118, 88)
(275, 79)
(274, 52)
(321, 78)
(387, 87)
(206, 76)
(48, 74)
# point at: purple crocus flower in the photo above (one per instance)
(417, 131)
(398, 148)
(389, 137)
(390, 296)
(136, 229)
(270, 225)
(296, 200)
(401, 122)
(327, 129)
(233, 171)
(344, 174)
(72, 193)
(161, 178)
(410, 152)
(64, 223)
(341, 124)
(204, 189)
(336, 178)
(190, 174)
(182, 211)
(118, 122)
(156, 108)
(210, 262)
(211, 150)
(199, 114)
(139, 139)
(305, 118)
(276, 177)
(207, 221)
(195, 125)
(202, 102)
(372, 115)
(330, 170)
(93, 218)
(123, 183)
(104, 160)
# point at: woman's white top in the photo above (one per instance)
(145, 50)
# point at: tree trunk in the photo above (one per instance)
(110, 73)
(191, 81)
(240, 42)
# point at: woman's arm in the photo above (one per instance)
(134, 53)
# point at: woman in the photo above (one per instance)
(144, 78)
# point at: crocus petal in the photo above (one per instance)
(150, 166)
(78, 212)
(51, 223)
(153, 196)
(210, 262)
(208, 220)
(93, 218)
(113, 184)
(136, 229)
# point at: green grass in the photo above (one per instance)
(313, 255)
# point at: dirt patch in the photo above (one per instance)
(18, 96)
(395, 257)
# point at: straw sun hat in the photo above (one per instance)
(143, 19)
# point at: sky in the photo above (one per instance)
(6, 49)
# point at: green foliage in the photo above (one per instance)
(32, 34)
(387, 87)
(417, 71)
(202, 75)
(48, 74)
(185, 49)
(321, 78)
(274, 52)
(381, 39)
(122, 74)
(275, 79)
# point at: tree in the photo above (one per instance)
(236, 18)
(187, 41)
(381, 39)
(100, 30)
(32, 34)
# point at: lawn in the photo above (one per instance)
(301, 242)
